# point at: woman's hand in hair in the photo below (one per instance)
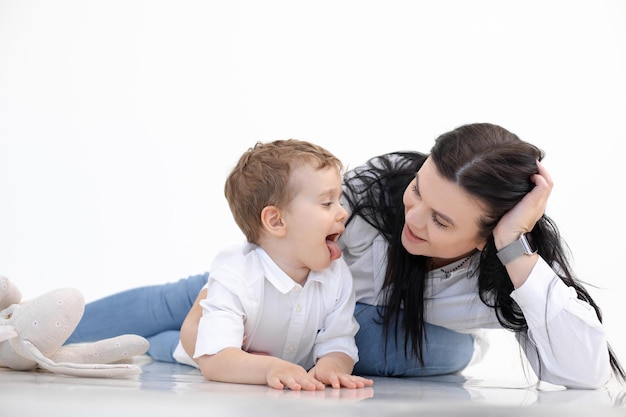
(522, 218)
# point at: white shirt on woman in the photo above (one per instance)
(566, 343)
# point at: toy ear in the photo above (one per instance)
(119, 349)
(79, 369)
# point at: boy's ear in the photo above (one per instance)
(272, 221)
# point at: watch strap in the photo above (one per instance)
(520, 247)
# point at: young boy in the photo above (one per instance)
(278, 310)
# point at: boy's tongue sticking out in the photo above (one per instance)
(333, 248)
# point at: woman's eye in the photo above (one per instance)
(437, 222)
(416, 191)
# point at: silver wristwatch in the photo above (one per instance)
(522, 246)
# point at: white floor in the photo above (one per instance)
(177, 390)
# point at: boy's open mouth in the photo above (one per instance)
(333, 247)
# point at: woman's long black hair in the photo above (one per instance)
(493, 165)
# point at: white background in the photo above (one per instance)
(119, 120)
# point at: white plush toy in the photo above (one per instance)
(32, 334)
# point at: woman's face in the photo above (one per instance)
(441, 219)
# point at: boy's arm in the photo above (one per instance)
(335, 348)
(189, 329)
(237, 366)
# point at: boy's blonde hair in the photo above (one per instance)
(262, 177)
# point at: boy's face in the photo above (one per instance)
(314, 219)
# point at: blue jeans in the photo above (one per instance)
(157, 312)
(445, 352)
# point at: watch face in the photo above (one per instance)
(530, 242)
(522, 246)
